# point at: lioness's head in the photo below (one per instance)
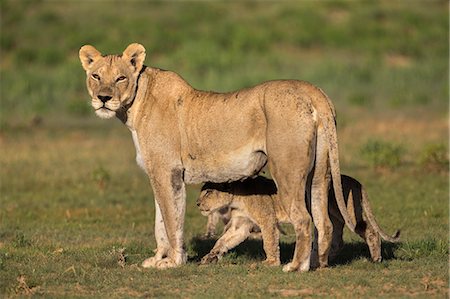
(111, 79)
(214, 197)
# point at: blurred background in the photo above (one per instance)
(384, 64)
(381, 55)
(66, 175)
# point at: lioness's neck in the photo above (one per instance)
(163, 87)
(129, 112)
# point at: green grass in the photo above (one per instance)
(380, 55)
(76, 216)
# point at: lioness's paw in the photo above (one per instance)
(291, 267)
(166, 263)
(208, 235)
(209, 258)
(150, 262)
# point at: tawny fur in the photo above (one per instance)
(184, 136)
(253, 203)
(359, 209)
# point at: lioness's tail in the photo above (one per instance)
(333, 155)
(371, 218)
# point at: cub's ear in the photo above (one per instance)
(135, 55)
(88, 54)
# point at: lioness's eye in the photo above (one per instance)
(96, 77)
(121, 78)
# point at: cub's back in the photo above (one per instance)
(254, 197)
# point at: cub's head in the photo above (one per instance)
(111, 79)
(214, 197)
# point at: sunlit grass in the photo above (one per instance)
(63, 225)
(76, 212)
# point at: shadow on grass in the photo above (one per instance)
(356, 250)
(252, 249)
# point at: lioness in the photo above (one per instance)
(253, 203)
(184, 136)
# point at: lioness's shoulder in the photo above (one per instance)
(168, 82)
(162, 76)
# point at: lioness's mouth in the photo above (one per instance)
(104, 107)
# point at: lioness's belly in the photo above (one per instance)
(223, 137)
(232, 166)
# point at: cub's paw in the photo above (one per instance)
(209, 259)
(208, 235)
(271, 262)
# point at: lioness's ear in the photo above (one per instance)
(88, 55)
(135, 55)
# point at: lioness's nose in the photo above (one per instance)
(104, 99)
(198, 203)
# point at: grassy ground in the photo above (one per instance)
(76, 216)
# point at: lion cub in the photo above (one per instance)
(251, 206)
(245, 206)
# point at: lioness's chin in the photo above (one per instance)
(105, 113)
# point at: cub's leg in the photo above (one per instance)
(338, 228)
(336, 217)
(223, 214)
(239, 229)
(319, 201)
(373, 240)
(162, 241)
(370, 234)
(213, 219)
(170, 194)
(271, 242)
(353, 194)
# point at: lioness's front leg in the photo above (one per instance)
(162, 241)
(170, 194)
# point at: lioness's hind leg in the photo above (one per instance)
(290, 143)
(301, 220)
(292, 197)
